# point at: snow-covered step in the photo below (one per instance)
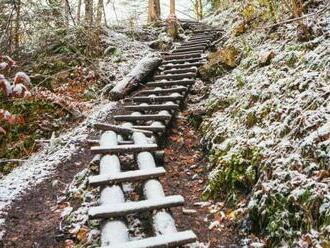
(176, 76)
(181, 61)
(173, 97)
(119, 129)
(179, 71)
(144, 117)
(160, 90)
(123, 149)
(171, 83)
(193, 43)
(122, 209)
(196, 48)
(186, 65)
(170, 240)
(128, 176)
(154, 107)
(199, 40)
(184, 55)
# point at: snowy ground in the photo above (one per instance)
(44, 163)
(270, 122)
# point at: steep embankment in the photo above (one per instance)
(267, 123)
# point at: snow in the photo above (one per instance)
(289, 99)
(44, 163)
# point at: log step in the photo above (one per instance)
(170, 83)
(176, 239)
(119, 129)
(178, 71)
(197, 48)
(163, 91)
(192, 46)
(183, 65)
(154, 107)
(181, 61)
(123, 149)
(157, 98)
(122, 209)
(175, 76)
(181, 56)
(156, 129)
(194, 43)
(178, 52)
(127, 176)
(155, 117)
(199, 40)
(207, 31)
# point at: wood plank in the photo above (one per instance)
(155, 107)
(176, 76)
(181, 61)
(150, 117)
(179, 71)
(176, 239)
(196, 48)
(181, 56)
(184, 65)
(123, 149)
(123, 209)
(119, 129)
(156, 98)
(171, 83)
(127, 176)
(155, 129)
(163, 91)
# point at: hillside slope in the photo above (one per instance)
(267, 123)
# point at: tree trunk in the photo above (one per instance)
(17, 25)
(153, 11)
(99, 13)
(89, 13)
(78, 11)
(66, 13)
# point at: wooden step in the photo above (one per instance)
(156, 129)
(179, 71)
(156, 98)
(199, 40)
(178, 52)
(196, 64)
(181, 56)
(154, 107)
(120, 129)
(193, 49)
(175, 76)
(178, 89)
(155, 117)
(170, 83)
(123, 149)
(193, 43)
(181, 61)
(176, 239)
(127, 176)
(123, 209)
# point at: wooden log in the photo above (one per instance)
(119, 129)
(196, 64)
(169, 240)
(181, 56)
(122, 209)
(95, 142)
(154, 107)
(127, 176)
(123, 149)
(157, 98)
(159, 90)
(143, 69)
(171, 83)
(155, 117)
(176, 76)
(178, 52)
(181, 61)
(156, 129)
(179, 71)
(196, 48)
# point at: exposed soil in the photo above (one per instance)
(31, 221)
(185, 164)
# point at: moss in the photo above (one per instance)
(235, 175)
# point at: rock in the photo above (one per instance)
(266, 57)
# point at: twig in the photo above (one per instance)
(327, 7)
